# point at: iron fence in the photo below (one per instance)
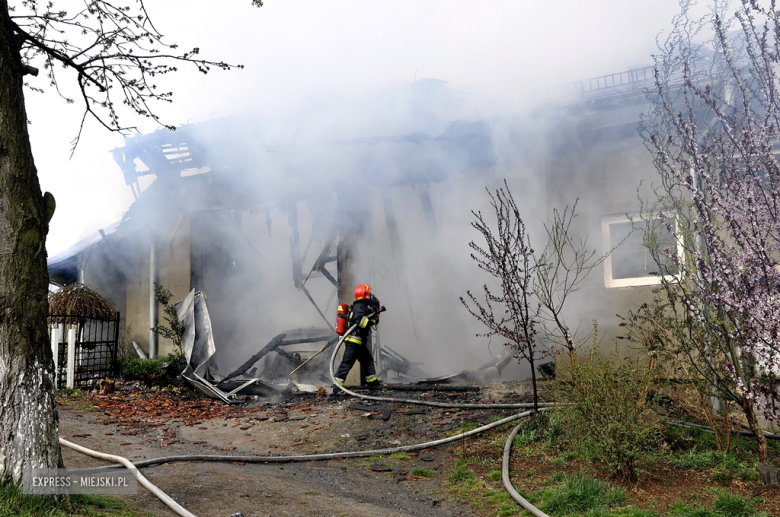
(96, 349)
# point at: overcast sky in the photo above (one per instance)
(498, 49)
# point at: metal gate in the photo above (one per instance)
(95, 349)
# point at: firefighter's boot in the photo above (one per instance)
(337, 391)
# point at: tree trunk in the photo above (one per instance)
(533, 382)
(750, 414)
(28, 417)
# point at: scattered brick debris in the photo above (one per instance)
(158, 408)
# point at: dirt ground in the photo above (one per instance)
(141, 425)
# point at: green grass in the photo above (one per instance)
(581, 495)
(460, 474)
(495, 475)
(465, 427)
(423, 473)
(14, 503)
(733, 505)
(726, 504)
(558, 477)
(400, 456)
(727, 466)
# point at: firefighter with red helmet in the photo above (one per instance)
(365, 314)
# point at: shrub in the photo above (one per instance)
(159, 369)
(175, 329)
(604, 405)
(137, 369)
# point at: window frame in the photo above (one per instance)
(609, 281)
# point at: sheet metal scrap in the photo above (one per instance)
(488, 372)
(277, 344)
(392, 361)
(252, 378)
(199, 348)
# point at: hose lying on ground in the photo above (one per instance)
(162, 496)
(689, 425)
(505, 474)
(411, 401)
(336, 455)
(328, 455)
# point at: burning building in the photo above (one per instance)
(276, 225)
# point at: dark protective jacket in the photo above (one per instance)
(358, 314)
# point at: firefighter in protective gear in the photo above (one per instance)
(357, 344)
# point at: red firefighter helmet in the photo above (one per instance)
(363, 292)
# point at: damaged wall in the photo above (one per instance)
(173, 263)
(243, 211)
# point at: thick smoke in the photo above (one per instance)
(400, 168)
(268, 189)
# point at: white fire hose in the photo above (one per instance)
(162, 496)
(329, 456)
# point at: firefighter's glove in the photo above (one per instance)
(364, 322)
